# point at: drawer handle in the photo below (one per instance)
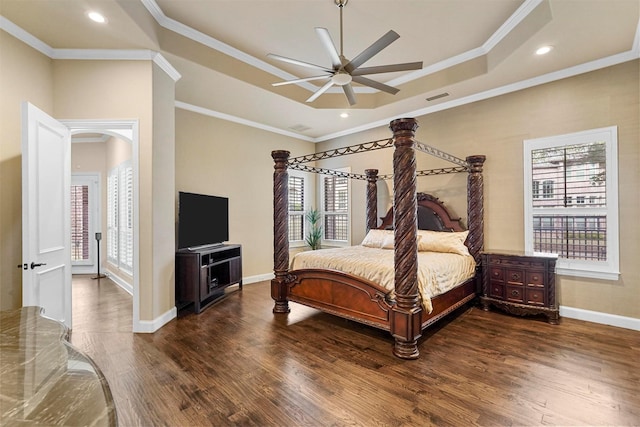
(535, 278)
(515, 293)
(515, 276)
(495, 273)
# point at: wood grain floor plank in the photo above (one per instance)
(239, 364)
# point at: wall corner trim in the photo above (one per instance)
(150, 326)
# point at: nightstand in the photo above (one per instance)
(520, 283)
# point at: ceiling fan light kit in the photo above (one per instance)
(344, 71)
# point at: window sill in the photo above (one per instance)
(590, 274)
(334, 243)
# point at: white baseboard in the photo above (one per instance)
(120, 282)
(257, 278)
(602, 318)
(150, 326)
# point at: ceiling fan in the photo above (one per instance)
(344, 71)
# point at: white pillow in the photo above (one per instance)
(375, 238)
(389, 240)
(443, 241)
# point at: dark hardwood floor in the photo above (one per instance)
(238, 364)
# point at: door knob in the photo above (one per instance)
(34, 265)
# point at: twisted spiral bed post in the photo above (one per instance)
(372, 198)
(280, 231)
(406, 313)
(475, 206)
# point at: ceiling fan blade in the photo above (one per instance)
(376, 85)
(372, 50)
(327, 42)
(387, 68)
(320, 91)
(306, 79)
(300, 63)
(348, 92)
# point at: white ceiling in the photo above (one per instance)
(471, 49)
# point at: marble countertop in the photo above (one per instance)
(44, 380)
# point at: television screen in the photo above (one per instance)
(202, 220)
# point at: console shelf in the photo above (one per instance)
(203, 274)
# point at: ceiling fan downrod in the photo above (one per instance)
(341, 4)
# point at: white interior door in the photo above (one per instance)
(46, 228)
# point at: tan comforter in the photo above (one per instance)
(437, 272)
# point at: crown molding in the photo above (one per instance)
(35, 43)
(17, 32)
(206, 40)
(239, 120)
(89, 54)
(171, 24)
(492, 93)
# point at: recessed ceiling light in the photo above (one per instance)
(544, 50)
(344, 115)
(97, 17)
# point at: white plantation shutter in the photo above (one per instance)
(335, 204)
(296, 209)
(112, 216)
(125, 224)
(120, 217)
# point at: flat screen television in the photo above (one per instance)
(203, 220)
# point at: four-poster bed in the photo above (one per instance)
(362, 300)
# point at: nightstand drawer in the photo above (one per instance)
(496, 290)
(497, 273)
(515, 276)
(535, 297)
(514, 293)
(535, 278)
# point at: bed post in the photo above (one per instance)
(372, 198)
(475, 206)
(280, 231)
(406, 313)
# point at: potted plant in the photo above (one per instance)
(315, 229)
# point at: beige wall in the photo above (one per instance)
(163, 194)
(217, 157)
(226, 159)
(497, 127)
(68, 89)
(25, 75)
(127, 90)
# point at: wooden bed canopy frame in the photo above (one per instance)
(361, 300)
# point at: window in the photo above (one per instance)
(547, 189)
(80, 223)
(120, 217)
(296, 209)
(535, 189)
(575, 167)
(335, 206)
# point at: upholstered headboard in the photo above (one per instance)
(432, 215)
